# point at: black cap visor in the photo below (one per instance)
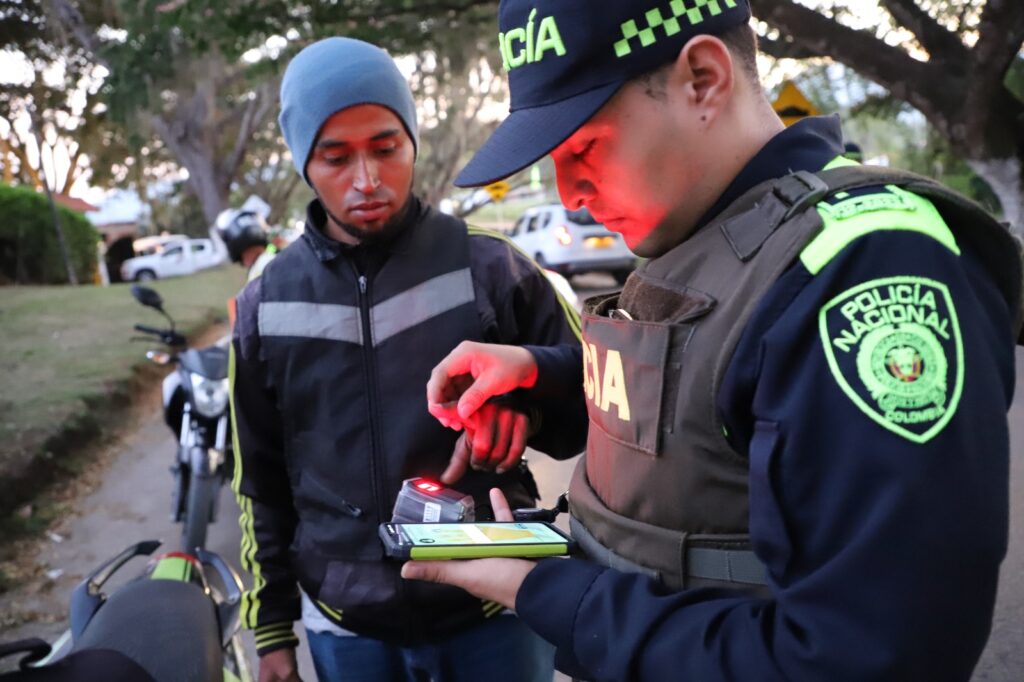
(528, 135)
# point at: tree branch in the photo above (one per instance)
(72, 174)
(70, 19)
(1000, 34)
(935, 38)
(781, 49)
(255, 113)
(890, 67)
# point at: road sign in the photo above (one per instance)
(498, 189)
(791, 104)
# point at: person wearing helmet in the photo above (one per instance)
(246, 236)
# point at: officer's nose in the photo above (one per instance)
(574, 188)
(367, 178)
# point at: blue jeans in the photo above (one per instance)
(501, 649)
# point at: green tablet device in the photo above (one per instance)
(528, 539)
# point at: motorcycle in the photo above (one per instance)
(197, 410)
(170, 624)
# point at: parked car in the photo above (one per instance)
(180, 257)
(147, 246)
(572, 242)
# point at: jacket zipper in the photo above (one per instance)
(377, 475)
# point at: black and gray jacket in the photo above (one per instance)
(332, 351)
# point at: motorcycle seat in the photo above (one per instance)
(168, 628)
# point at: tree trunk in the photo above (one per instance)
(1006, 178)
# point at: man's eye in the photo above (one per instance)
(386, 151)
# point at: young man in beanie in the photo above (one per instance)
(797, 458)
(333, 345)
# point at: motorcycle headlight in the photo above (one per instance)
(210, 395)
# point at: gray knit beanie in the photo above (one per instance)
(335, 74)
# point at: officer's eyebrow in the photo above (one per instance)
(383, 135)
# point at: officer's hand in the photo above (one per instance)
(497, 580)
(279, 666)
(494, 439)
(494, 370)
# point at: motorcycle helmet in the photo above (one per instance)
(240, 230)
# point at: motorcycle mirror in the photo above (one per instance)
(158, 357)
(148, 297)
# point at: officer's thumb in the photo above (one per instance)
(430, 571)
(475, 396)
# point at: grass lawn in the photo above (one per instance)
(65, 351)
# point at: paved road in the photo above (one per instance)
(133, 502)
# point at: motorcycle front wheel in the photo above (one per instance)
(201, 490)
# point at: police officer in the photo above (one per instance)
(245, 234)
(331, 350)
(797, 458)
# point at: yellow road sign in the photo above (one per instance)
(792, 105)
(498, 189)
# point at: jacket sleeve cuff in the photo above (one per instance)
(274, 636)
(549, 600)
(559, 370)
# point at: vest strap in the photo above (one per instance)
(700, 562)
(729, 565)
(790, 195)
(600, 554)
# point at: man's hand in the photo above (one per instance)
(495, 438)
(473, 373)
(498, 580)
(279, 666)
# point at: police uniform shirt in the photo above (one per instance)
(879, 510)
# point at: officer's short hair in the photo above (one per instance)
(742, 44)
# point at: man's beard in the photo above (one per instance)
(383, 234)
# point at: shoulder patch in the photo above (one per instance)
(894, 347)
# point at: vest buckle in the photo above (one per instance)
(800, 190)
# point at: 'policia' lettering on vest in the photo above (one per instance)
(606, 387)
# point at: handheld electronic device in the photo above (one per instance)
(474, 540)
(422, 500)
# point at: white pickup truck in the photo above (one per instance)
(172, 259)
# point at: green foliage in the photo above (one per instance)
(29, 249)
(179, 213)
(1015, 78)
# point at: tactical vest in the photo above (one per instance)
(348, 358)
(661, 491)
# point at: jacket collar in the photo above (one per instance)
(327, 249)
(807, 145)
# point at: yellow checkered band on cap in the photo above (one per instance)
(690, 10)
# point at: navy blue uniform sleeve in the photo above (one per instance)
(878, 504)
(519, 306)
(261, 487)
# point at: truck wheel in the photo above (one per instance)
(145, 276)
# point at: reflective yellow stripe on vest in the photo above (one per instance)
(854, 217)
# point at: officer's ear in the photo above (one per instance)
(703, 77)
